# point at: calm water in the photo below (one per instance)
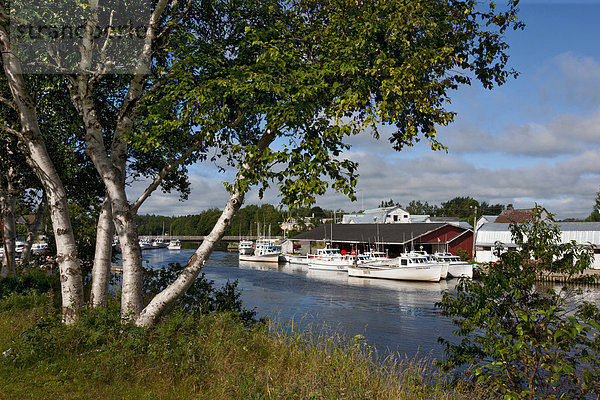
(392, 315)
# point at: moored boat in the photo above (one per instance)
(159, 244)
(174, 244)
(331, 260)
(409, 267)
(145, 244)
(246, 247)
(265, 250)
(295, 259)
(456, 267)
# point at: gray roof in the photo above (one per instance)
(369, 233)
(581, 232)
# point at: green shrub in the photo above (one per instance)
(38, 281)
(522, 340)
(202, 297)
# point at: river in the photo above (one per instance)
(392, 315)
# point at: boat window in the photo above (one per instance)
(403, 262)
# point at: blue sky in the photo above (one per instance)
(536, 139)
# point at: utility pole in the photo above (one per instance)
(474, 231)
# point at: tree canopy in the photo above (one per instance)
(267, 89)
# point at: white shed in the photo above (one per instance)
(581, 232)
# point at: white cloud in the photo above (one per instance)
(580, 80)
(206, 192)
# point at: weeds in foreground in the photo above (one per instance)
(191, 355)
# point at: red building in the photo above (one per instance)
(393, 238)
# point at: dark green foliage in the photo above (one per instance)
(244, 223)
(595, 215)
(521, 339)
(461, 207)
(37, 281)
(202, 297)
(463, 254)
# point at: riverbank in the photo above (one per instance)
(191, 356)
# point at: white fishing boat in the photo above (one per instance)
(373, 257)
(456, 267)
(433, 259)
(145, 244)
(297, 259)
(265, 250)
(331, 260)
(408, 267)
(159, 244)
(246, 247)
(174, 244)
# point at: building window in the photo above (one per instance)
(405, 216)
(487, 248)
(395, 218)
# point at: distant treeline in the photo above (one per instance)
(246, 221)
(461, 207)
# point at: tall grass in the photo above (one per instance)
(193, 356)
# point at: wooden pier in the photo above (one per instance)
(594, 274)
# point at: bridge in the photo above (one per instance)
(201, 238)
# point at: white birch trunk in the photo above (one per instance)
(112, 169)
(33, 147)
(34, 229)
(10, 235)
(162, 301)
(102, 257)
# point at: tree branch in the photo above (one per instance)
(10, 130)
(165, 298)
(8, 102)
(125, 118)
(159, 178)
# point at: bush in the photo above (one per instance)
(38, 281)
(201, 297)
(463, 254)
(522, 340)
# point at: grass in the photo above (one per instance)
(188, 356)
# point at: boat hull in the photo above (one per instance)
(429, 273)
(295, 259)
(330, 265)
(266, 258)
(444, 273)
(460, 270)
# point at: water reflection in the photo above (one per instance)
(393, 315)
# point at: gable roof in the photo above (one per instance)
(515, 215)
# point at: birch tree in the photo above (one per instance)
(271, 90)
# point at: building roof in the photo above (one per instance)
(490, 218)
(445, 219)
(415, 218)
(580, 232)
(517, 215)
(370, 233)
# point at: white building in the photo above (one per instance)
(397, 215)
(383, 215)
(490, 233)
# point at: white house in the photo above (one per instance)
(490, 233)
(383, 215)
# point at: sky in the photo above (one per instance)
(534, 140)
